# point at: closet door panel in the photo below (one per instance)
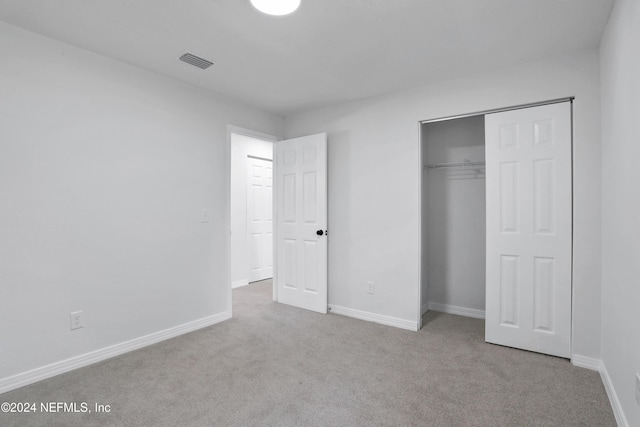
(529, 233)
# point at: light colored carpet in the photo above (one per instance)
(281, 366)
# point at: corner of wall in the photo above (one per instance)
(618, 412)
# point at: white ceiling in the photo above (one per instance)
(328, 51)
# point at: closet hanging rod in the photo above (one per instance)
(455, 164)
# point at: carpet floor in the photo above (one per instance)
(277, 365)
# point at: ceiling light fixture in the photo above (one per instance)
(276, 7)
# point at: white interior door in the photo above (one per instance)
(301, 218)
(529, 228)
(260, 218)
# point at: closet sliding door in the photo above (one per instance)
(529, 228)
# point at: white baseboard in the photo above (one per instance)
(373, 317)
(597, 365)
(239, 283)
(454, 309)
(48, 371)
(613, 397)
(586, 362)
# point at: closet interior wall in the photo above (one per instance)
(453, 217)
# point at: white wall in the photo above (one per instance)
(105, 170)
(241, 147)
(620, 68)
(374, 173)
(454, 206)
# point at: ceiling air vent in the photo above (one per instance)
(196, 61)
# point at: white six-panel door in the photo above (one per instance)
(260, 218)
(301, 214)
(529, 228)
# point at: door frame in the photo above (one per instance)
(421, 174)
(232, 129)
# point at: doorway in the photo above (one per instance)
(497, 223)
(284, 241)
(251, 202)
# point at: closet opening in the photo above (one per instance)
(453, 217)
(497, 223)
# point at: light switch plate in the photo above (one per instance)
(371, 287)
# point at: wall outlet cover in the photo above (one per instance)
(76, 320)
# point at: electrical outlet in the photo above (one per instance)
(638, 388)
(371, 287)
(76, 320)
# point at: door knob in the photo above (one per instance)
(319, 232)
